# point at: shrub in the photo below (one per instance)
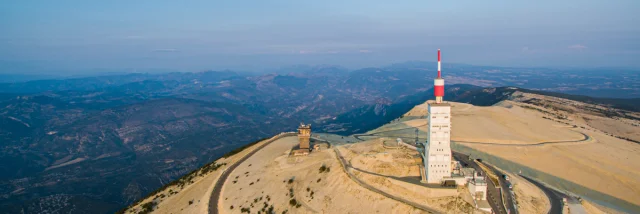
(293, 202)
(148, 207)
(322, 168)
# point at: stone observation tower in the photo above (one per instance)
(437, 153)
(304, 133)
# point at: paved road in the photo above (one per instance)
(378, 134)
(494, 196)
(554, 197)
(345, 166)
(508, 194)
(215, 195)
(586, 138)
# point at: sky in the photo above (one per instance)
(39, 36)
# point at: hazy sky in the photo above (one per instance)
(86, 35)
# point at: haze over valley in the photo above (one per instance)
(319, 107)
(103, 142)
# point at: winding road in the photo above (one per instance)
(586, 138)
(217, 189)
(377, 134)
(509, 197)
(554, 197)
(345, 166)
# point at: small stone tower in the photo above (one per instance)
(304, 133)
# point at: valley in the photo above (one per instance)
(96, 144)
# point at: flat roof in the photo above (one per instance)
(439, 104)
(468, 171)
(483, 204)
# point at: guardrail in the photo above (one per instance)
(496, 181)
(489, 172)
(515, 205)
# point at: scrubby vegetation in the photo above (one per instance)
(322, 168)
(148, 207)
(293, 202)
(255, 203)
(180, 182)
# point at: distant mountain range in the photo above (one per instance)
(96, 144)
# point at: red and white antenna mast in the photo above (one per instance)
(438, 83)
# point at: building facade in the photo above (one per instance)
(437, 158)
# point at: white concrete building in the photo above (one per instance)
(478, 188)
(437, 155)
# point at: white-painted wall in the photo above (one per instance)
(438, 149)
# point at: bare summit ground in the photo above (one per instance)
(272, 180)
(396, 171)
(545, 133)
(189, 195)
